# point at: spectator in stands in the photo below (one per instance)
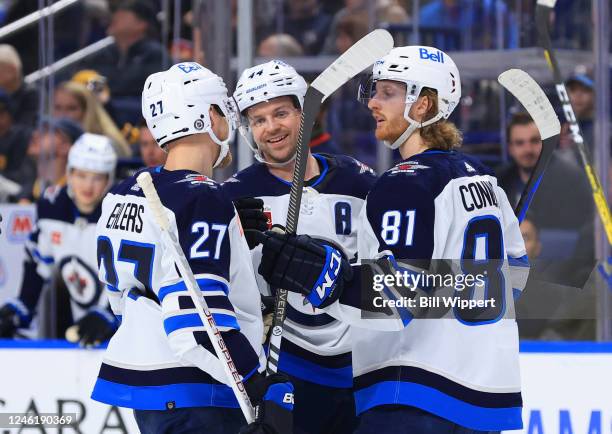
(95, 83)
(350, 7)
(279, 45)
(24, 98)
(468, 24)
(150, 152)
(533, 246)
(134, 55)
(13, 142)
(581, 92)
(47, 156)
(308, 25)
(563, 185)
(351, 28)
(321, 140)
(74, 101)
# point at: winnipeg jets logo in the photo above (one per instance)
(469, 167)
(409, 167)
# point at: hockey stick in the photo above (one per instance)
(171, 242)
(532, 97)
(362, 54)
(543, 12)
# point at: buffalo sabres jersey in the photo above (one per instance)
(315, 347)
(442, 205)
(161, 356)
(62, 243)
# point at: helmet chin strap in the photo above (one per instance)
(412, 127)
(223, 144)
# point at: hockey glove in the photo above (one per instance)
(273, 398)
(95, 327)
(252, 218)
(298, 263)
(11, 318)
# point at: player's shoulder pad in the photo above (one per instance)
(347, 176)
(55, 204)
(253, 181)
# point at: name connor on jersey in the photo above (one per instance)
(478, 195)
(126, 216)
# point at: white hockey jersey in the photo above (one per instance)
(161, 357)
(441, 205)
(315, 347)
(63, 242)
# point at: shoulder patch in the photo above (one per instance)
(364, 168)
(409, 167)
(196, 179)
(469, 167)
(51, 193)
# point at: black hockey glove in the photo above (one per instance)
(252, 218)
(273, 398)
(9, 321)
(298, 263)
(95, 327)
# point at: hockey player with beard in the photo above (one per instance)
(161, 362)
(441, 376)
(63, 243)
(316, 348)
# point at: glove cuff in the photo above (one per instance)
(23, 313)
(105, 315)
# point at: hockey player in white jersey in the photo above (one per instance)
(458, 375)
(315, 350)
(63, 242)
(161, 362)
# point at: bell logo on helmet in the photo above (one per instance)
(188, 67)
(436, 57)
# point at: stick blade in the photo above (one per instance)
(361, 55)
(532, 97)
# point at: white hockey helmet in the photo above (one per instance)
(262, 83)
(176, 103)
(418, 67)
(93, 153)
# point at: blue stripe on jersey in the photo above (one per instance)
(41, 258)
(158, 397)
(193, 320)
(523, 261)
(438, 403)
(308, 371)
(205, 284)
(112, 288)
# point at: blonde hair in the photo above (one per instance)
(9, 55)
(441, 134)
(95, 119)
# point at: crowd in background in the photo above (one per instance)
(101, 94)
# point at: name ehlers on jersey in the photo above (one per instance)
(126, 216)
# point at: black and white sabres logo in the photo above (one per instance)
(409, 167)
(82, 282)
